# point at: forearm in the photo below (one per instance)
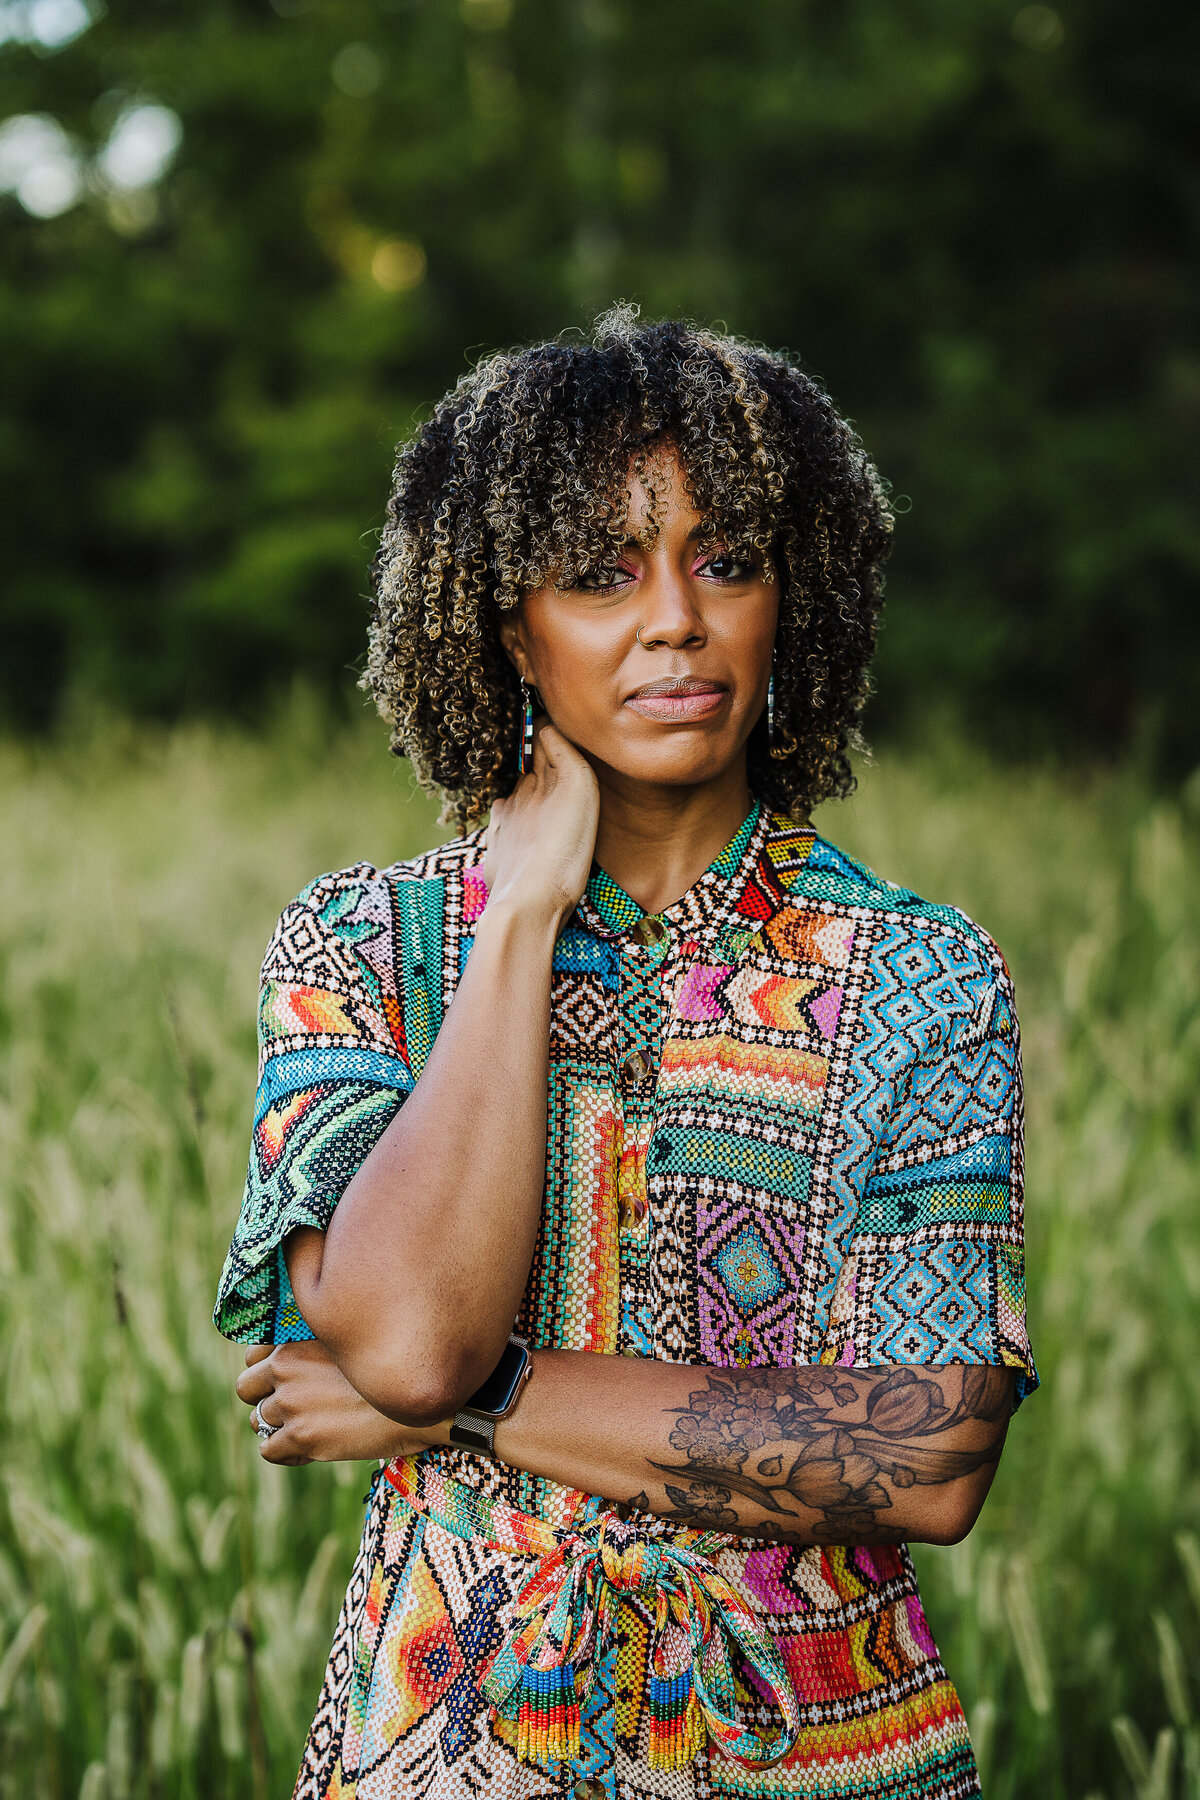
(808, 1455)
(452, 1189)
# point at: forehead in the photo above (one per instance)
(658, 497)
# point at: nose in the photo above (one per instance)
(671, 615)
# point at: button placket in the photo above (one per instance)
(645, 947)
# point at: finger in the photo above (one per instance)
(555, 746)
(270, 1413)
(281, 1448)
(548, 743)
(256, 1352)
(255, 1384)
(257, 1421)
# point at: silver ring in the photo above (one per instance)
(262, 1429)
(638, 635)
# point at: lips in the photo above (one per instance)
(680, 699)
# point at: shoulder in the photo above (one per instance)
(923, 946)
(340, 895)
(455, 858)
(340, 916)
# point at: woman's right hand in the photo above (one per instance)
(317, 1416)
(541, 839)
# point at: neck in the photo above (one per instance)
(657, 841)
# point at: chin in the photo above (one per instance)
(684, 766)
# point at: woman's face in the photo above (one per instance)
(677, 707)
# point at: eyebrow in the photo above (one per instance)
(693, 536)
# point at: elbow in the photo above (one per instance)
(413, 1388)
(401, 1359)
(415, 1404)
(952, 1519)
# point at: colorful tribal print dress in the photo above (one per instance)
(784, 1128)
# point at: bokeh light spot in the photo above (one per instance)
(50, 24)
(40, 164)
(357, 70)
(398, 265)
(140, 146)
(1038, 28)
(486, 15)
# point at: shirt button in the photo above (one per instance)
(635, 1068)
(650, 931)
(633, 1213)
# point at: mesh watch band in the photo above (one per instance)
(474, 1431)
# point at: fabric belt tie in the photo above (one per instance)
(565, 1620)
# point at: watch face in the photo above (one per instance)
(502, 1385)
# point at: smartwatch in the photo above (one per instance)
(474, 1426)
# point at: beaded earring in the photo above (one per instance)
(525, 756)
(780, 741)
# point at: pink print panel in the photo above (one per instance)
(697, 998)
(474, 894)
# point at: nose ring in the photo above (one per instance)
(638, 635)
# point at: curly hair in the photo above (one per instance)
(522, 475)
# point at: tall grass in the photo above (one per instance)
(166, 1600)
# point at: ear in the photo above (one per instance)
(512, 641)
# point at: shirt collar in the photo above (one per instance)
(741, 880)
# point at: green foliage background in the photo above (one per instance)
(978, 223)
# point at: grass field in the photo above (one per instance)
(166, 1601)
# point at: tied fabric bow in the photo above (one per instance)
(566, 1615)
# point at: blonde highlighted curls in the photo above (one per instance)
(522, 474)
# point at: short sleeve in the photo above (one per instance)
(333, 1071)
(935, 1269)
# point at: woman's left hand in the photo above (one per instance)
(320, 1418)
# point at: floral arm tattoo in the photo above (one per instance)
(837, 1443)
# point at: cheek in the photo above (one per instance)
(579, 672)
(750, 638)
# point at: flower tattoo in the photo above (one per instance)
(839, 1443)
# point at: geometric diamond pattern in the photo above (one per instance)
(933, 1303)
(749, 1271)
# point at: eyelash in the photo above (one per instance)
(739, 562)
(622, 568)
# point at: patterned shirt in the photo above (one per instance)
(784, 1128)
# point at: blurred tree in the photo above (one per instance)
(243, 247)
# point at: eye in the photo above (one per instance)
(604, 578)
(724, 567)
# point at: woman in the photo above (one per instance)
(640, 1177)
